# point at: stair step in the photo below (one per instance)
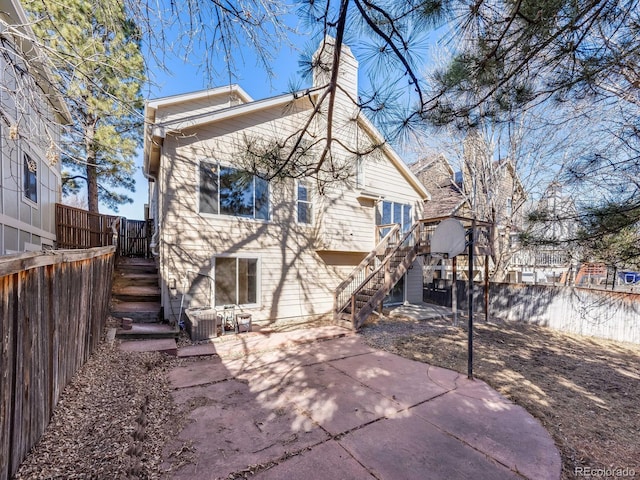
(140, 312)
(135, 293)
(148, 330)
(138, 269)
(136, 265)
(134, 278)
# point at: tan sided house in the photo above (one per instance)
(277, 250)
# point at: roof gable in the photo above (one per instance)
(159, 127)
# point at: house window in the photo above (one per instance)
(509, 208)
(458, 178)
(360, 172)
(392, 212)
(304, 203)
(30, 179)
(229, 191)
(236, 281)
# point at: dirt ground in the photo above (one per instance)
(583, 390)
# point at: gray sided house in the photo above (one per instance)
(276, 250)
(32, 114)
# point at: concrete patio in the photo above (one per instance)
(338, 409)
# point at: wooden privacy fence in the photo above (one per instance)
(134, 238)
(585, 311)
(78, 228)
(53, 308)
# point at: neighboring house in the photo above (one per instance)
(278, 249)
(32, 114)
(447, 198)
(553, 259)
(489, 191)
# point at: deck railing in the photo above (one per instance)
(344, 291)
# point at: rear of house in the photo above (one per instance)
(276, 249)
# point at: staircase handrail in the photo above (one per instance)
(377, 250)
(366, 262)
(389, 256)
(392, 276)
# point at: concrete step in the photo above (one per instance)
(149, 331)
(149, 269)
(344, 322)
(164, 345)
(136, 265)
(140, 312)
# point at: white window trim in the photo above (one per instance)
(309, 202)
(223, 216)
(257, 257)
(23, 196)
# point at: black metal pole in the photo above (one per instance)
(470, 333)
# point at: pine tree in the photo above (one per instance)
(95, 49)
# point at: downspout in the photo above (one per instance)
(153, 245)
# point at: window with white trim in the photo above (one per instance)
(236, 281)
(360, 180)
(234, 192)
(392, 212)
(303, 202)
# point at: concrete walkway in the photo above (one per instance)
(337, 409)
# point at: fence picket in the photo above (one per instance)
(53, 310)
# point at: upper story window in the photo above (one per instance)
(458, 178)
(360, 181)
(30, 179)
(392, 212)
(229, 191)
(304, 206)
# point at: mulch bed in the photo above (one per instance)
(112, 421)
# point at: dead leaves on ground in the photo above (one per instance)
(583, 390)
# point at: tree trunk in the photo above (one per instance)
(92, 170)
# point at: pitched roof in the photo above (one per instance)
(447, 200)
(437, 175)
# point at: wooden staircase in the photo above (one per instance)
(136, 296)
(366, 288)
